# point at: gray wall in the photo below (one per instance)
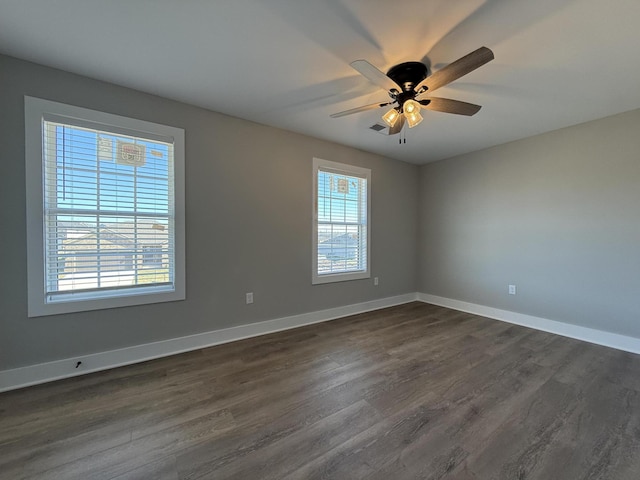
(248, 208)
(557, 214)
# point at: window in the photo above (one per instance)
(341, 222)
(105, 210)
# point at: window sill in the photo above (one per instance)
(339, 277)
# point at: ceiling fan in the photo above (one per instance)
(408, 81)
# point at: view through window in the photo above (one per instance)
(108, 210)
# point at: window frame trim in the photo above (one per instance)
(35, 109)
(343, 169)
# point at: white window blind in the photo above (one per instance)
(108, 210)
(105, 209)
(341, 222)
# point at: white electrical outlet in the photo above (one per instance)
(512, 289)
(375, 281)
(249, 298)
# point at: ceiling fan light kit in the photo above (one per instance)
(411, 110)
(407, 81)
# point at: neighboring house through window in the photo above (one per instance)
(152, 256)
(341, 222)
(105, 209)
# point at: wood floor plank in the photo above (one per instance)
(522, 439)
(50, 449)
(408, 392)
(599, 438)
(261, 427)
(275, 460)
(136, 453)
(163, 469)
(375, 447)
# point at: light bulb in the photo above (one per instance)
(411, 106)
(413, 119)
(391, 117)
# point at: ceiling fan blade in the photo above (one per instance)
(457, 69)
(374, 75)
(359, 109)
(397, 126)
(447, 105)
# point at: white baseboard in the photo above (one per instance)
(56, 370)
(599, 337)
(59, 369)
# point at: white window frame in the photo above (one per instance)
(344, 169)
(38, 304)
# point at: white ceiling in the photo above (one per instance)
(286, 62)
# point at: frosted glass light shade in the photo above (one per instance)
(411, 106)
(413, 119)
(391, 117)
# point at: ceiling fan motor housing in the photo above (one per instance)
(408, 75)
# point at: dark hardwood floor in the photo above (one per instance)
(409, 392)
